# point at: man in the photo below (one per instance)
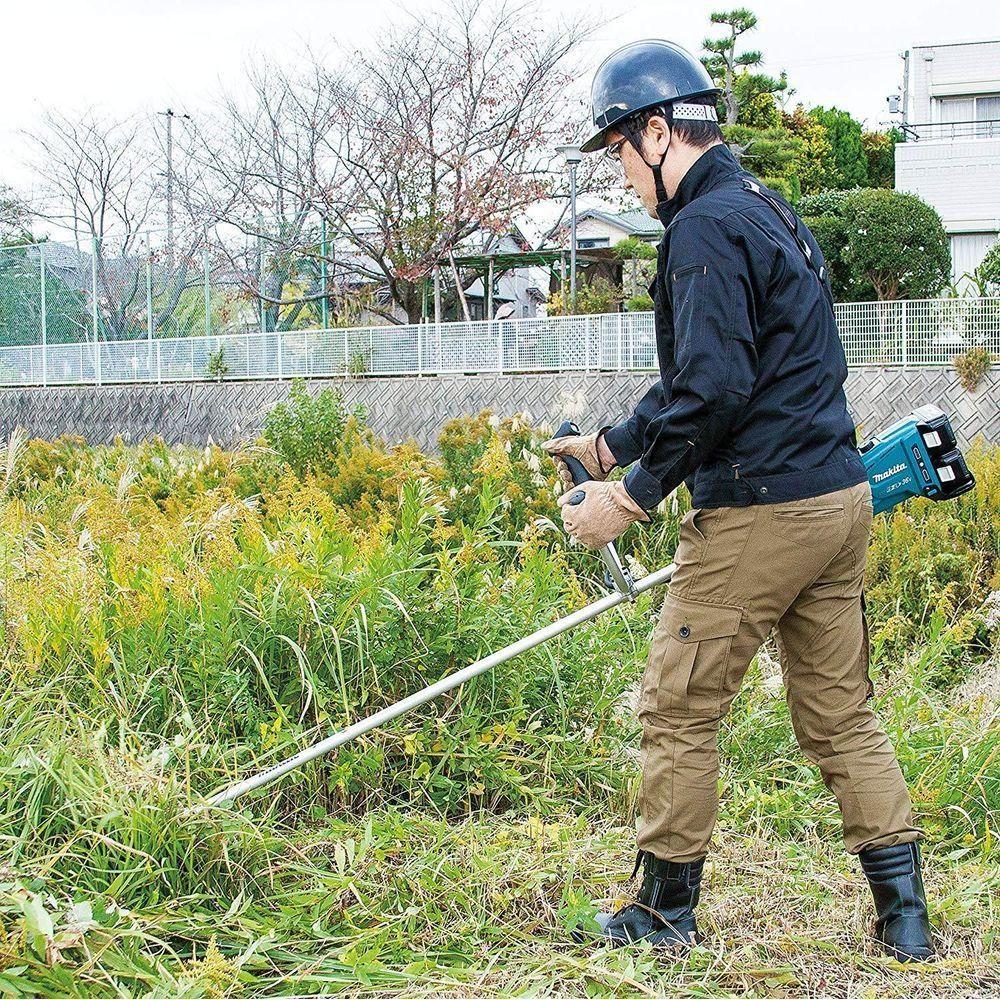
(750, 412)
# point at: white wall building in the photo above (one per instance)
(596, 228)
(951, 156)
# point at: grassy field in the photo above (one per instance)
(173, 619)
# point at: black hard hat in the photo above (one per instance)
(641, 75)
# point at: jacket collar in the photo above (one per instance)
(712, 167)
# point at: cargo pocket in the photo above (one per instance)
(689, 657)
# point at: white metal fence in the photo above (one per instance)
(914, 333)
(570, 343)
(917, 332)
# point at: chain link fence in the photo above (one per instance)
(140, 312)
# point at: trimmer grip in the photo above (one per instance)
(576, 470)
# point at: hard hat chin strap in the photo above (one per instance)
(671, 112)
(635, 139)
(661, 191)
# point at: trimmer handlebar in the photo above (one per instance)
(616, 575)
(576, 469)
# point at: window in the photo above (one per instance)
(589, 243)
(967, 253)
(965, 117)
(957, 109)
(988, 117)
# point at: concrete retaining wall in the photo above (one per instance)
(400, 408)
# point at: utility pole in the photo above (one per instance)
(906, 87)
(170, 115)
(573, 157)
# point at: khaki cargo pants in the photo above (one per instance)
(797, 568)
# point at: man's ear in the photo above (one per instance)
(658, 134)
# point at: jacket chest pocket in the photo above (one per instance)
(689, 658)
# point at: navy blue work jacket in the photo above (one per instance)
(750, 405)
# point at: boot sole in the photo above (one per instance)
(908, 957)
(661, 939)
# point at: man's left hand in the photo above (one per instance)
(602, 516)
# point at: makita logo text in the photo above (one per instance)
(879, 476)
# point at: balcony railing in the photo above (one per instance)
(988, 129)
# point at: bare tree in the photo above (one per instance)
(256, 175)
(14, 217)
(99, 183)
(448, 133)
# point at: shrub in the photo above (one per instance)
(988, 272)
(897, 244)
(880, 152)
(596, 296)
(879, 244)
(848, 166)
(497, 458)
(639, 303)
(632, 248)
(217, 367)
(823, 203)
(972, 367)
(368, 480)
(310, 431)
(830, 233)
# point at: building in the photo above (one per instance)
(596, 228)
(951, 153)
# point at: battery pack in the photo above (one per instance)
(916, 456)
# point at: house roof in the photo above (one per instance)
(635, 221)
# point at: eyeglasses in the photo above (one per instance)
(613, 151)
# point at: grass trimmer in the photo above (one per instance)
(917, 456)
(623, 588)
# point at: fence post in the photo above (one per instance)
(500, 347)
(159, 364)
(420, 351)
(906, 352)
(45, 321)
(586, 344)
(149, 305)
(208, 289)
(621, 323)
(324, 304)
(93, 309)
(277, 334)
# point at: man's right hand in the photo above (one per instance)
(589, 449)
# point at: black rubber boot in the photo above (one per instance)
(902, 928)
(663, 913)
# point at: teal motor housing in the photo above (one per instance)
(917, 456)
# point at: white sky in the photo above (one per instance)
(144, 55)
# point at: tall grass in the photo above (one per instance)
(173, 619)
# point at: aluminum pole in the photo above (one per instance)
(149, 308)
(206, 267)
(324, 303)
(94, 245)
(44, 316)
(572, 236)
(439, 688)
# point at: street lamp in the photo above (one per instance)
(572, 156)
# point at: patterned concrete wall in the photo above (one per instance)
(399, 408)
